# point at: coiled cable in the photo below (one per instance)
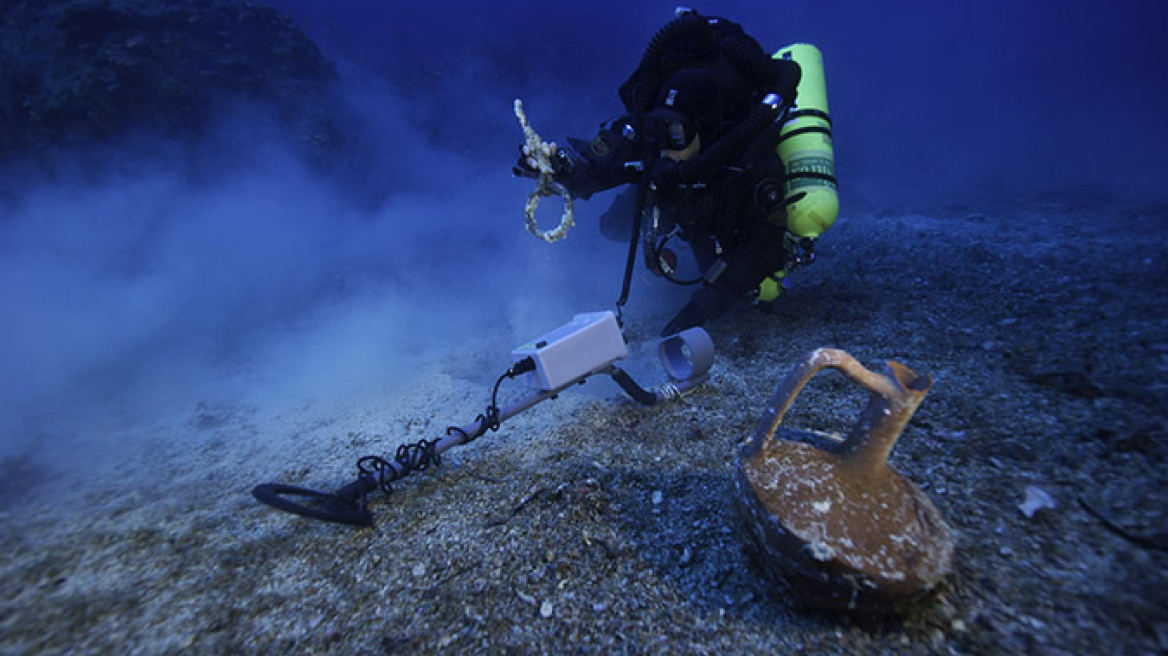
(424, 454)
(418, 456)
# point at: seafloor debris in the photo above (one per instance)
(1157, 541)
(1036, 499)
(830, 519)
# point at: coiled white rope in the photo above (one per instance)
(546, 185)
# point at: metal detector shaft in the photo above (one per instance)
(348, 504)
(477, 428)
(687, 357)
(687, 375)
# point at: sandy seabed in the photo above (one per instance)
(591, 524)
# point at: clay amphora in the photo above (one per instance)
(829, 519)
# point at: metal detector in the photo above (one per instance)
(587, 345)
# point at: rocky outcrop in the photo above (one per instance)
(75, 72)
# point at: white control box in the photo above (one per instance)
(575, 349)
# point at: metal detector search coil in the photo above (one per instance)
(687, 355)
(580, 347)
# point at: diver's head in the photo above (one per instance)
(685, 108)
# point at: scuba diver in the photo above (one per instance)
(704, 112)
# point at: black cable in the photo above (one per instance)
(421, 455)
(630, 386)
(417, 456)
(350, 504)
(489, 419)
(631, 260)
(670, 274)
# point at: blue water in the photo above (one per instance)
(932, 102)
(126, 289)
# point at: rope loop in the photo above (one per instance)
(546, 185)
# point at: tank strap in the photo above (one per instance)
(807, 130)
(814, 113)
(809, 175)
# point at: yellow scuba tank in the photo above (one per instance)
(805, 147)
(806, 150)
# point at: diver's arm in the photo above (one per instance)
(609, 160)
(734, 277)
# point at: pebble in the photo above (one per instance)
(546, 609)
(657, 497)
(419, 569)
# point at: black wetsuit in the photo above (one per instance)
(732, 218)
(727, 199)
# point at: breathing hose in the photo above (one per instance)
(690, 25)
(741, 51)
(730, 144)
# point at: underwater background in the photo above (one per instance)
(245, 242)
(152, 265)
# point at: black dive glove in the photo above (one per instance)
(523, 168)
(691, 315)
(709, 302)
(561, 164)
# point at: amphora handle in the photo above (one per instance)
(894, 397)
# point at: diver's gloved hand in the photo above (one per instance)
(709, 302)
(691, 315)
(527, 167)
